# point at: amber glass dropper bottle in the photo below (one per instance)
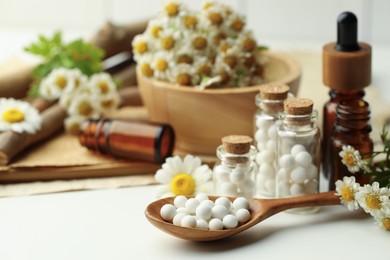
(346, 71)
(143, 141)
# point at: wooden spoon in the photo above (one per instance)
(260, 210)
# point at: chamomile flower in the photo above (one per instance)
(18, 116)
(57, 82)
(383, 221)
(109, 102)
(373, 199)
(162, 65)
(72, 124)
(184, 75)
(141, 45)
(102, 84)
(183, 177)
(172, 8)
(84, 105)
(350, 158)
(347, 189)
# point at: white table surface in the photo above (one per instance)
(110, 224)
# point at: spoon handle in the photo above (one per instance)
(310, 200)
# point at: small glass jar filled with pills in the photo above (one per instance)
(270, 103)
(235, 174)
(298, 151)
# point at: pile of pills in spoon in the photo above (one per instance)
(203, 213)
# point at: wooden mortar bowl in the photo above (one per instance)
(201, 118)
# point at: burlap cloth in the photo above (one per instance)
(311, 87)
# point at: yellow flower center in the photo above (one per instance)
(373, 201)
(231, 61)
(349, 159)
(249, 61)
(205, 70)
(190, 21)
(347, 193)
(103, 86)
(107, 103)
(183, 184)
(225, 77)
(155, 31)
(184, 79)
(141, 47)
(167, 43)
(85, 109)
(215, 18)
(161, 65)
(13, 115)
(386, 223)
(172, 9)
(146, 70)
(61, 82)
(249, 45)
(225, 47)
(218, 38)
(74, 129)
(184, 58)
(199, 43)
(237, 25)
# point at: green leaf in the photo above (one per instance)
(262, 48)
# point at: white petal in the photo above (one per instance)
(162, 191)
(162, 177)
(202, 174)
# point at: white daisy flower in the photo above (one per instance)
(80, 80)
(57, 82)
(169, 40)
(189, 20)
(109, 102)
(154, 28)
(346, 190)
(141, 45)
(84, 105)
(183, 177)
(18, 116)
(72, 124)
(162, 65)
(350, 158)
(102, 84)
(373, 199)
(172, 8)
(184, 75)
(213, 16)
(383, 221)
(145, 65)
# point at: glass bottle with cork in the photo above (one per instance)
(235, 174)
(351, 128)
(270, 103)
(298, 151)
(131, 140)
(346, 71)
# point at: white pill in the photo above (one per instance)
(219, 211)
(215, 224)
(267, 170)
(178, 218)
(224, 202)
(209, 203)
(247, 187)
(261, 146)
(298, 175)
(311, 187)
(312, 172)
(180, 201)
(167, 212)
(243, 215)
(228, 189)
(221, 172)
(203, 212)
(303, 159)
(283, 189)
(191, 205)
(188, 221)
(261, 135)
(265, 156)
(270, 186)
(237, 176)
(230, 221)
(240, 203)
(182, 210)
(283, 175)
(296, 149)
(202, 224)
(271, 145)
(287, 162)
(262, 122)
(297, 189)
(201, 197)
(272, 131)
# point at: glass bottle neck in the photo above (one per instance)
(232, 160)
(346, 94)
(353, 115)
(299, 122)
(269, 106)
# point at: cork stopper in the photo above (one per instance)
(298, 106)
(237, 144)
(274, 91)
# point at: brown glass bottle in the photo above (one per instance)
(351, 128)
(129, 140)
(329, 118)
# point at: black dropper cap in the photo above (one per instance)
(347, 32)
